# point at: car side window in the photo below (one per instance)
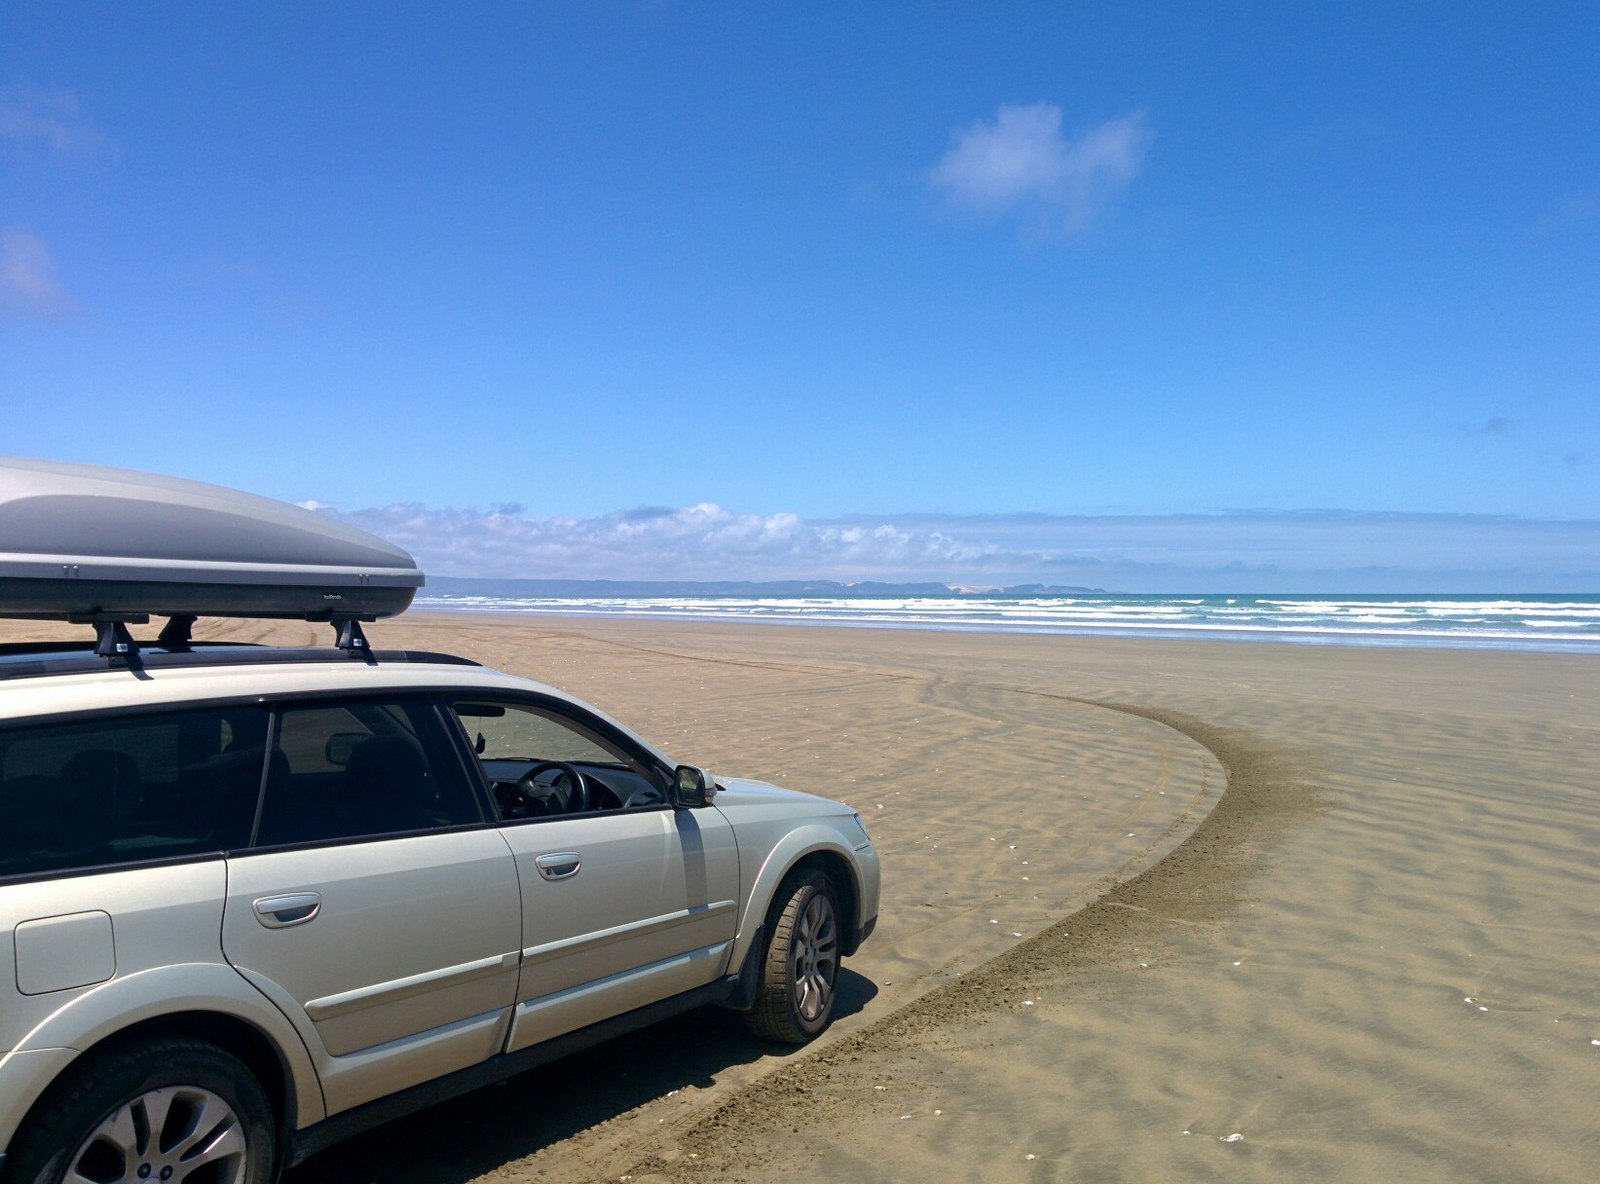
(129, 788)
(521, 731)
(515, 739)
(359, 769)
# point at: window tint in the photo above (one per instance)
(360, 769)
(128, 788)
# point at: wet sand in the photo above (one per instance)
(1152, 910)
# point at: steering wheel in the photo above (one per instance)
(567, 793)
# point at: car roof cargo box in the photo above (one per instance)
(83, 542)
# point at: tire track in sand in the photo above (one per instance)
(1201, 880)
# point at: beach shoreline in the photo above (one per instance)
(1539, 623)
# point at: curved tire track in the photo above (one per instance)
(1201, 880)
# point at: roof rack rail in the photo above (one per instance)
(34, 659)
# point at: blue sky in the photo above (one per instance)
(1319, 283)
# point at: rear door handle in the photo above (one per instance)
(558, 865)
(295, 908)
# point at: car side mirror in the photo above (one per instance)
(692, 787)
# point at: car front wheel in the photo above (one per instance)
(169, 1110)
(800, 972)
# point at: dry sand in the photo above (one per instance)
(1285, 912)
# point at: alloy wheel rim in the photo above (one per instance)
(165, 1136)
(816, 958)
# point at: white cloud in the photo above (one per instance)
(703, 541)
(1021, 160)
(29, 285)
(1243, 551)
(51, 117)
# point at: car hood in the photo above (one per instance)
(743, 794)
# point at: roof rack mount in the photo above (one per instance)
(112, 639)
(348, 635)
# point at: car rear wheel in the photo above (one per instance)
(800, 972)
(176, 1110)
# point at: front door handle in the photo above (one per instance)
(559, 865)
(296, 908)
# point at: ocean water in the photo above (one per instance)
(1567, 623)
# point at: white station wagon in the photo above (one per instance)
(256, 899)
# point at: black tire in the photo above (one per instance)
(800, 972)
(173, 1103)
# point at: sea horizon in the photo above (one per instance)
(1559, 622)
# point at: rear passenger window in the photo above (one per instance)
(362, 769)
(125, 789)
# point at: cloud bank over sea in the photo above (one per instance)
(1234, 551)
